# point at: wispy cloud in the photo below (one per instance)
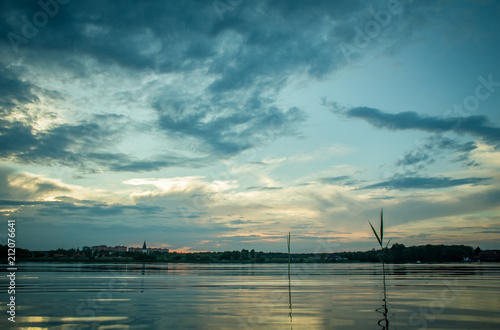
(478, 126)
(343, 179)
(408, 183)
(262, 188)
(429, 149)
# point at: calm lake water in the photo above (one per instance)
(258, 296)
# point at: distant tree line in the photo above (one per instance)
(397, 253)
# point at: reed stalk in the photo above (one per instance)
(288, 244)
(288, 238)
(380, 239)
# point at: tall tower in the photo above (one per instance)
(144, 248)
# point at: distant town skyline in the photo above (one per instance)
(201, 127)
(123, 248)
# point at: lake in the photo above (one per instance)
(254, 296)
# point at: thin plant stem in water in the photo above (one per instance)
(380, 239)
(288, 245)
(289, 279)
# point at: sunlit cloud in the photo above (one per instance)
(179, 185)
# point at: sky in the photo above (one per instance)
(223, 125)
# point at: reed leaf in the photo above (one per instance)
(381, 226)
(375, 232)
(388, 243)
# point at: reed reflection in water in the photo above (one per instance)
(289, 280)
(384, 321)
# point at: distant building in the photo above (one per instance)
(161, 250)
(335, 257)
(100, 248)
(118, 248)
(488, 255)
(145, 249)
(106, 250)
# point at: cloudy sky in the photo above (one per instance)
(222, 125)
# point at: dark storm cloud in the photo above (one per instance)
(86, 145)
(93, 208)
(21, 203)
(226, 128)
(250, 50)
(190, 34)
(13, 91)
(409, 183)
(76, 208)
(478, 126)
(431, 148)
(72, 145)
(22, 186)
(247, 53)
